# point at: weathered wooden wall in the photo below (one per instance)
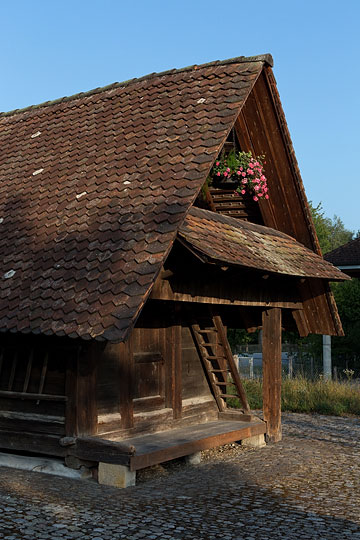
(165, 380)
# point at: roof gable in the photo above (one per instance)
(94, 188)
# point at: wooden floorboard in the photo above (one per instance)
(159, 447)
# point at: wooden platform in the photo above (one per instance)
(159, 447)
(146, 450)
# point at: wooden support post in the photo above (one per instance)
(81, 406)
(171, 345)
(126, 365)
(177, 362)
(173, 369)
(271, 361)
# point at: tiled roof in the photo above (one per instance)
(93, 189)
(346, 255)
(236, 242)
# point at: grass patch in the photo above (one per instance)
(303, 395)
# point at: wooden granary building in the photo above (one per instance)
(120, 272)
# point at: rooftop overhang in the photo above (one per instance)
(218, 239)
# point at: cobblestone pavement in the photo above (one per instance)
(305, 487)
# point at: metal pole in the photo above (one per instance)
(290, 358)
(251, 367)
(327, 357)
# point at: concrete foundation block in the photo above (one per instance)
(193, 459)
(118, 476)
(257, 441)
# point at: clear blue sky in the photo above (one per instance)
(54, 48)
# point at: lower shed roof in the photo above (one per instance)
(218, 238)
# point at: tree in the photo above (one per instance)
(331, 232)
(347, 297)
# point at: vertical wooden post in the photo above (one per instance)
(172, 353)
(81, 406)
(177, 363)
(271, 361)
(126, 366)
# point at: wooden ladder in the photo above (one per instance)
(217, 360)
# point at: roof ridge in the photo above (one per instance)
(266, 58)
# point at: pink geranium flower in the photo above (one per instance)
(246, 172)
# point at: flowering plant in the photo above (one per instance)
(244, 170)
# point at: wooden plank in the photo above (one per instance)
(12, 373)
(173, 444)
(36, 423)
(28, 370)
(271, 360)
(236, 415)
(27, 442)
(301, 322)
(148, 403)
(98, 449)
(43, 374)
(31, 396)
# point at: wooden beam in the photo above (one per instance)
(271, 359)
(29, 442)
(31, 396)
(97, 449)
(301, 322)
(80, 389)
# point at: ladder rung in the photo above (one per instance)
(206, 331)
(219, 383)
(211, 357)
(219, 371)
(228, 395)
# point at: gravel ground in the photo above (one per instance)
(305, 487)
